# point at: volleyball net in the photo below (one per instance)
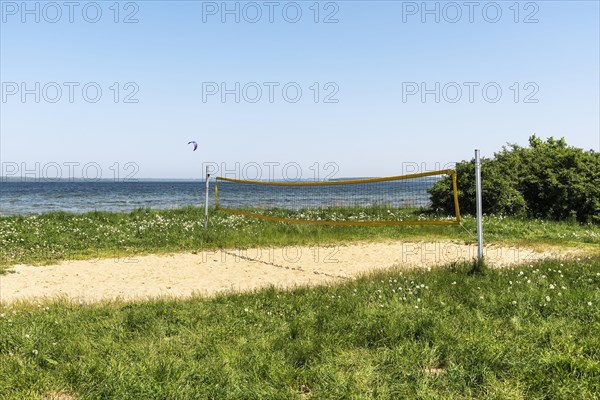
(395, 200)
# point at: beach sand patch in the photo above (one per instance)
(208, 273)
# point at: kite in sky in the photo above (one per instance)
(195, 144)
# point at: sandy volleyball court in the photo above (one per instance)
(211, 272)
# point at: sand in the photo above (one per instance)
(209, 273)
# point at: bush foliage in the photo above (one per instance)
(548, 179)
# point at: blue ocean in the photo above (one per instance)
(25, 198)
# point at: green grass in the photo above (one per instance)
(523, 333)
(54, 237)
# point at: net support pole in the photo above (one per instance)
(479, 210)
(206, 201)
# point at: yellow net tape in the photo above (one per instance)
(323, 209)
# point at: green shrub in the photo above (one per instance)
(545, 180)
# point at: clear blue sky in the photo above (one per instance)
(374, 58)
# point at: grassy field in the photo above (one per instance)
(524, 333)
(520, 333)
(54, 237)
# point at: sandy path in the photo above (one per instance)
(212, 272)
